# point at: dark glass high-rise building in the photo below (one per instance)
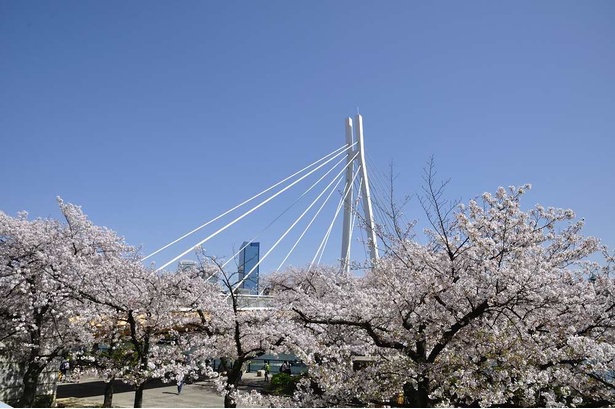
(248, 261)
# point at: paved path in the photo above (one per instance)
(156, 395)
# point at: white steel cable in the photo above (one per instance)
(277, 218)
(323, 243)
(336, 152)
(248, 212)
(354, 215)
(337, 177)
(352, 225)
(310, 223)
(326, 239)
(288, 208)
(315, 215)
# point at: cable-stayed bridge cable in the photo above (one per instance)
(354, 215)
(288, 208)
(252, 210)
(335, 152)
(311, 221)
(323, 243)
(337, 177)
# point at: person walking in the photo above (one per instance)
(64, 366)
(244, 369)
(267, 371)
(180, 384)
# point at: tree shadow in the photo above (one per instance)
(97, 388)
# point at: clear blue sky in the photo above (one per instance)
(157, 116)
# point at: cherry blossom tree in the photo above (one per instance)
(73, 284)
(109, 353)
(40, 261)
(233, 331)
(496, 308)
(35, 308)
(145, 308)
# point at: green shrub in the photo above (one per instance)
(284, 384)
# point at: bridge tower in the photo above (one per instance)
(357, 155)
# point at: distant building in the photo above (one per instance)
(248, 262)
(185, 265)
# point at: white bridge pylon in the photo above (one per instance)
(351, 156)
(356, 158)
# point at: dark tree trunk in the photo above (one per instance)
(231, 384)
(30, 383)
(423, 393)
(143, 352)
(228, 401)
(234, 375)
(139, 395)
(418, 398)
(141, 386)
(34, 365)
(108, 402)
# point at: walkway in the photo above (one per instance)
(89, 393)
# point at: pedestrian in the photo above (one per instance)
(64, 369)
(267, 369)
(180, 384)
(283, 367)
(288, 368)
(244, 368)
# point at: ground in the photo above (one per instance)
(88, 393)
